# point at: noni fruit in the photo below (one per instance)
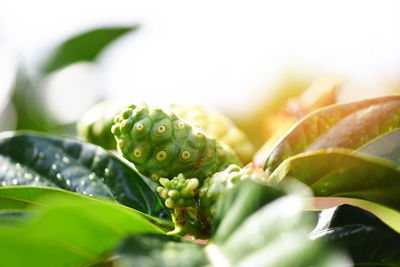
(163, 145)
(95, 125)
(194, 204)
(217, 125)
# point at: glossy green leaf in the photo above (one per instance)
(65, 228)
(350, 125)
(342, 173)
(390, 216)
(83, 47)
(386, 146)
(19, 198)
(32, 159)
(366, 238)
(153, 250)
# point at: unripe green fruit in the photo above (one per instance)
(178, 192)
(95, 125)
(163, 145)
(194, 205)
(215, 187)
(217, 125)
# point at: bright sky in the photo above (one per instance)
(229, 54)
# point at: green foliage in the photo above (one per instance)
(248, 222)
(386, 146)
(32, 159)
(366, 238)
(63, 228)
(154, 250)
(341, 173)
(83, 47)
(251, 218)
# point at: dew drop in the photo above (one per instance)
(37, 178)
(54, 167)
(66, 160)
(90, 195)
(83, 182)
(57, 156)
(91, 176)
(59, 177)
(68, 182)
(18, 166)
(28, 176)
(14, 181)
(107, 172)
(3, 183)
(84, 192)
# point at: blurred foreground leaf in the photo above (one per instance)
(238, 204)
(83, 47)
(63, 228)
(153, 250)
(261, 227)
(366, 238)
(38, 160)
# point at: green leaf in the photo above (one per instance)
(274, 235)
(38, 160)
(67, 228)
(342, 173)
(239, 203)
(264, 228)
(14, 218)
(386, 146)
(366, 238)
(350, 125)
(83, 47)
(152, 250)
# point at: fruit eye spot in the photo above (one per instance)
(161, 155)
(209, 174)
(137, 152)
(181, 125)
(126, 124)
(139, 126)
(209, 154)
(161, 129)
(154, 177)
(126, 113)
(185, 155)
(199, 134)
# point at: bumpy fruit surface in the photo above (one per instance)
(194, 204)
(216, 186)
(95, 125)
(163, 145)
(219, 126)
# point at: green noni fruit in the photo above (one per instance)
(95, 125)
(163, 145)
(194, 204)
